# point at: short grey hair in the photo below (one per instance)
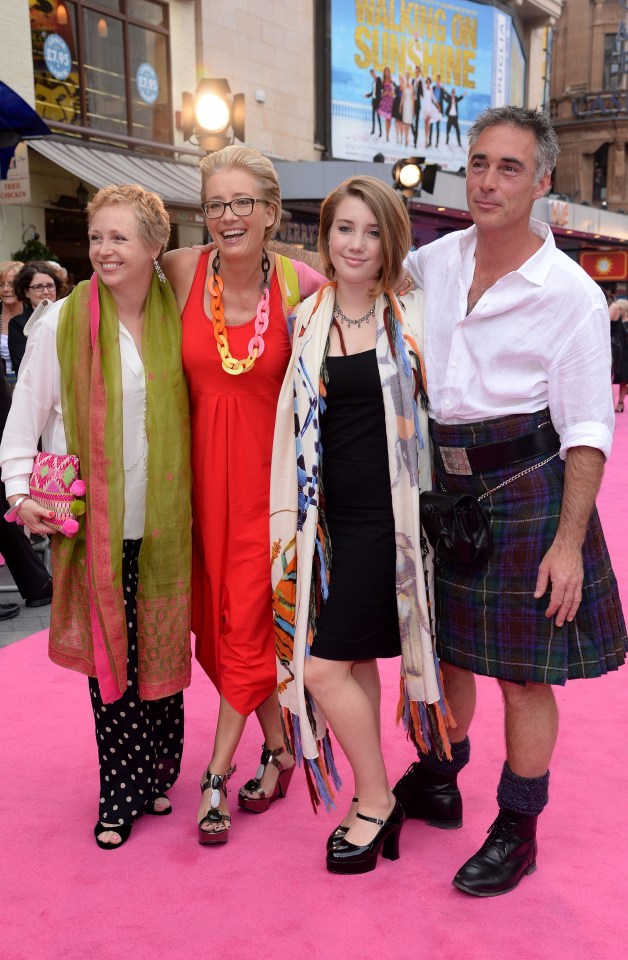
(535, 121)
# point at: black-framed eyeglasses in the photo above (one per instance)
(40, 287)
(240, 207)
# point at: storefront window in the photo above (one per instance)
(103, 64)
(610, 79)
(148, 59)
(147, 11)
(103, 68)
(55, 62)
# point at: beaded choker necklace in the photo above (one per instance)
(360, 320)
(215, 285)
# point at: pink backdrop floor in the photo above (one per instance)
(266, 895)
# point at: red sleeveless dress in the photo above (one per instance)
(233, 419)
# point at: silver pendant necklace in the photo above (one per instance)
(353, 323)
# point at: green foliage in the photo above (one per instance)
(34, 250)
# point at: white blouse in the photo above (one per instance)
(537, 338)
(36, 412)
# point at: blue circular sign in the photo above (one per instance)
(147, 83)
(57, 56)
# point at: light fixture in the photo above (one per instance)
(62, 15)
(412, 175)
(213, 115)
(103, 30)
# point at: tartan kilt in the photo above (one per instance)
(487, 620)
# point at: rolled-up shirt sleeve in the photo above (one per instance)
(579, 385)
(413, 265)
(35, 409)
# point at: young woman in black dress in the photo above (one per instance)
(358, 549)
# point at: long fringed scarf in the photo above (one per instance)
(88, 623)
(301, 552)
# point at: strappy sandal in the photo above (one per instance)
(149, 806)
(620, 407)
(261, 803)
(214, 817)
(122, 829)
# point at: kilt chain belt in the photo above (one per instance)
(465, 461)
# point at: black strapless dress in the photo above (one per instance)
(359, 621)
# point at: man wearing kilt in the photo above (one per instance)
(518, 372)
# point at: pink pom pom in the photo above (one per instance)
(78, 488)
(69, 527)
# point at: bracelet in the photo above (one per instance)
(11, 514)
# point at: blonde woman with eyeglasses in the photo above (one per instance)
(235, 299)
(10, 307)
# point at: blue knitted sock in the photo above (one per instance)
(459, 758)
(525, 795)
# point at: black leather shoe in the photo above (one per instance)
(345, 857)
(425, 795)
(42, 597)
(507, 855)
(9, 610)
(339, 832)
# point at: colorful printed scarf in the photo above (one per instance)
(88, 623)
(301, 552)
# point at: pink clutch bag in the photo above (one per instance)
(55, 485)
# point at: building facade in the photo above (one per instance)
(108, 77)
(589, 104)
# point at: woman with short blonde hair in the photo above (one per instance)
(102, 380)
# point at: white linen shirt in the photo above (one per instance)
(36, 411)
(539, 337)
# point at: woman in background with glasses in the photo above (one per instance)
(234, 301)
(10, 307)
(36, 281)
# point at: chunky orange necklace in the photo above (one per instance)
(231, 364)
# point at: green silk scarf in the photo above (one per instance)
(88, 622)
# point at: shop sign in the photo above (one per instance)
(609, 265)
(57, 56)
(17, 186)
(147, 83)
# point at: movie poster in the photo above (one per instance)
(409, 78)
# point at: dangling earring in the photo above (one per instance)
(159, 271)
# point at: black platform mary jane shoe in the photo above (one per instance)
(339, 832)
(346, 857)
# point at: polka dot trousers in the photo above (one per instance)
(140, 742)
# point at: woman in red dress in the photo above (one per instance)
(236, 346)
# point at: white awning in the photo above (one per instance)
(177, 182)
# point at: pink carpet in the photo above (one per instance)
(266, 895)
